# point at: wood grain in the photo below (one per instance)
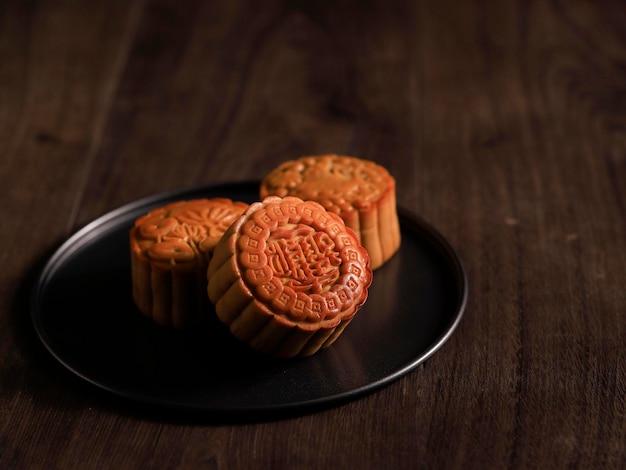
(504, 124)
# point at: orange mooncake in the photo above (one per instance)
(288, 277)
(361, 192)
(170, 251)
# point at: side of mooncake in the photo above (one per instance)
(288, 276)
(361, 192)
(170, 248)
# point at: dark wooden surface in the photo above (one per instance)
(504, 124)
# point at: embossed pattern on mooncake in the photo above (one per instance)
(361, 192)
(170, 250)
(342, 182)
(288, 276)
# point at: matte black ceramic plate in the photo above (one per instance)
(84, 314)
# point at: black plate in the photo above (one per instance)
(84, 315)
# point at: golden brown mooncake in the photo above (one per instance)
(361, 192)
(170, 251)
(288, 277)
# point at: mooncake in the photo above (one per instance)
(170, 251)
(288, 276)
(361, 192)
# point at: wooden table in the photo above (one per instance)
(504, 124)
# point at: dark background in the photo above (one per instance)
(504, 123)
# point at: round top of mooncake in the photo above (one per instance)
(339, 182)
(184, 232)
(300, 261)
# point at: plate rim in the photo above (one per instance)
(88, 232)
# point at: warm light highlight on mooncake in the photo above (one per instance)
(361, 192)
